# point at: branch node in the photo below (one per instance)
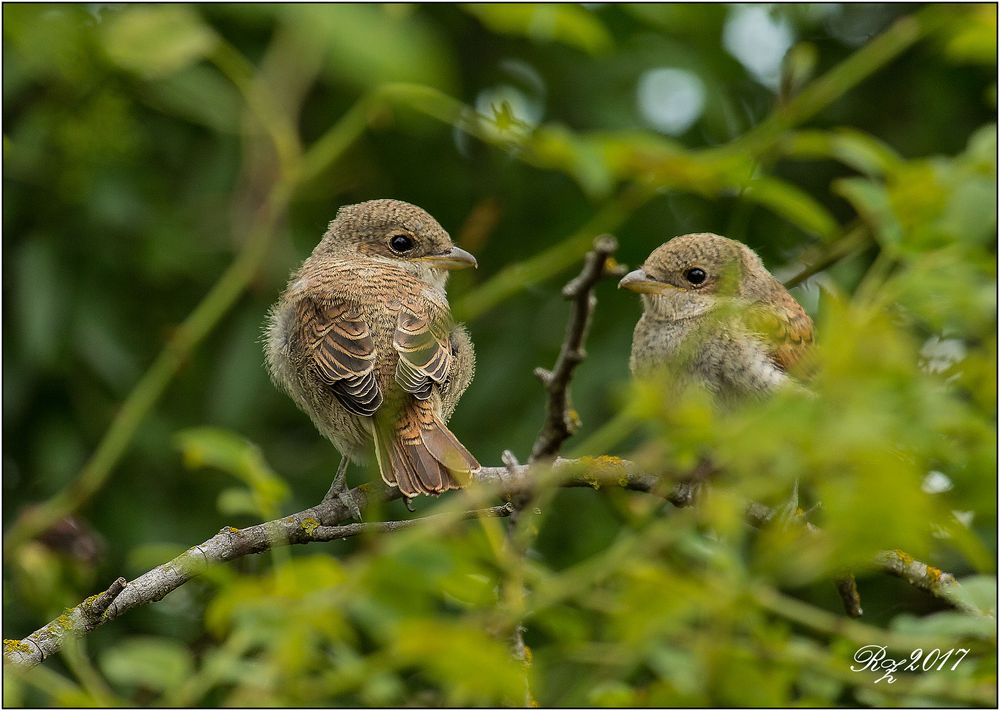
(510, 462)
(102, 602)
(544, 375)
(847, 587)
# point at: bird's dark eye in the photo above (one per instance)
(400, 243)
(696, 276)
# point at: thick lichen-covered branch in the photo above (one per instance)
(314, 525)
(83, 618)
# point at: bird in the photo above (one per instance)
(714, 315)
(363, 341)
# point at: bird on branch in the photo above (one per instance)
(713, 314)
(363, 341)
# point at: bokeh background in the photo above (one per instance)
(165, 167)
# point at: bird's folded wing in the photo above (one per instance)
(341, 352)
(424, 349)
(786, 328)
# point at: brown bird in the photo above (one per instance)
(712, 313)
(363, 341)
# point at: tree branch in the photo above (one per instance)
(926, 577)
(228, 544)
(513, 480)
(318, 524)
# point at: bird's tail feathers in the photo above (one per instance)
(418, 454)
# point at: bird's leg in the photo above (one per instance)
(408, 503)
(338, 490)
(339, 480)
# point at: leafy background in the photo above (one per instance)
(165, 167)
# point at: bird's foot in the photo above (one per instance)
(338, 490)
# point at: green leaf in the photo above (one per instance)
(970, 213)
(222, 449)
(795, 205)
(302, 592)
(13, 687)
(225, 450)
(457, 656)
(557, 147)
(700, 21)
(236, 501)
(369, 45)
(154, 663)
(798, 67)
(568, 24)
(197, 94)
(952, 624)
(857, 149)
(155, 41)
(871, 200)
(613, 694)
(981, 151)
(383, 689)
(979, 591)
(46, 43)
(973, 37)
(38, 293)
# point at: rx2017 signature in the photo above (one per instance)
(872, 657)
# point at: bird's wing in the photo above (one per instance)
(341, 352)
(785, 327)
(424, 348)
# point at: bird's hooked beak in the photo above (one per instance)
(454, 258)
(641, 283)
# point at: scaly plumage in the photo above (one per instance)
(363, 341)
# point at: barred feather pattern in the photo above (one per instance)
(367, 347)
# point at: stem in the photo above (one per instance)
(515, 278)
(822, 92)
(152, 384)
(185, 340)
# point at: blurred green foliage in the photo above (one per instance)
(165, 167)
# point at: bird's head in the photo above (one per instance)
(396, 234)
(692, 274)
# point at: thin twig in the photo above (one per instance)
(853, 240)
(561, 420)
(336, 533)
